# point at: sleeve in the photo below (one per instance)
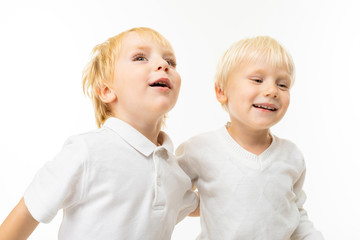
(193, 201)
(59, 183)
(305, 229)
(186, 163)
(184, 156)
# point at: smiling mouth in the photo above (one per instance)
(264, 107)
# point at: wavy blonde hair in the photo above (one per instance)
(99, 71)
(252, 50)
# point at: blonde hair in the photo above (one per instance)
(250, 50)
(99, 71)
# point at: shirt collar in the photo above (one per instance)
(136, 139)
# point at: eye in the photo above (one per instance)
(171, 62)
(139, 58)
(283, 86)
(256, 80)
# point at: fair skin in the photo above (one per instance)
(257, 96)
(19, 224)
(145, 87)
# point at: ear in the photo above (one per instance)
(220, 95)
(106, 94)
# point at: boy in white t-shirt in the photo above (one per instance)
(250, 181)
(120, 181)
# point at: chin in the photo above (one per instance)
(161, 109)
(164, 105)
(263, 126)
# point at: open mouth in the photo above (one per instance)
(163, 83)
(265, 107)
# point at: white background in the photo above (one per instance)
(45, 45)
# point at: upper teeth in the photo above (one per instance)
(266, 107)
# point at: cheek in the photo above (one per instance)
(286, 101)
(237, 101)
(177, 79)
(177, 82)
(239, 97)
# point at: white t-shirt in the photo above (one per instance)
(112, 183)
(245, 196)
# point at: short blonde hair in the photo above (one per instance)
(99, 71)
(250, 50)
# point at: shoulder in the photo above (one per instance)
(198, 145)
(286, 143)
(206, 138)
(94, 139)
(289, 150)
(95, 134)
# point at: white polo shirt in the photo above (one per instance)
(112, 183)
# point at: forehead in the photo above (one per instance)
(145, 40)
(262, 66)
(270, 57)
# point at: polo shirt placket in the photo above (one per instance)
(160, 155)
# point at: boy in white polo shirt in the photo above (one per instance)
(250, 181)
(120, 181)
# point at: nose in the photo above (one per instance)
(162, 65)
(271, 90)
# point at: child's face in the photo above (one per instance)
(146, 82)
(257, 95)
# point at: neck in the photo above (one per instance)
(254, 141)
(149, 128)
(150, 131)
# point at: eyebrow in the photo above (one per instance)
(140, 47)
(257, 71)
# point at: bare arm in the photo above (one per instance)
(196, 212)
(19, 224)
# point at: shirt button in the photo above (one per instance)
(162, 153)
